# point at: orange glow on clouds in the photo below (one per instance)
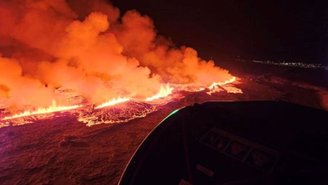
(88, 49)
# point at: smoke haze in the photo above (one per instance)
(89, 48)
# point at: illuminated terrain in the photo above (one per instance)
(82, 84)
(59, 149)
(116, 110)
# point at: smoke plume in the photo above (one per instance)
(88, 48)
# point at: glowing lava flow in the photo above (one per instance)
(129, 110)
(51, 109)
(216, 84)
(213, 88)
(163, 92)
(112, 102)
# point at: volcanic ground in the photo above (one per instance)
(63, 150)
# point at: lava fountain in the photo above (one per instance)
(40, 111)
(116, 65)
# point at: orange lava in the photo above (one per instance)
(51, 109)
(217, 84)
(164, 91)
(112, 102)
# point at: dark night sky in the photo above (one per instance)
(265, 29)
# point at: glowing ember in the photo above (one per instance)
(51, 109)
(163, 92)
(112, 102)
